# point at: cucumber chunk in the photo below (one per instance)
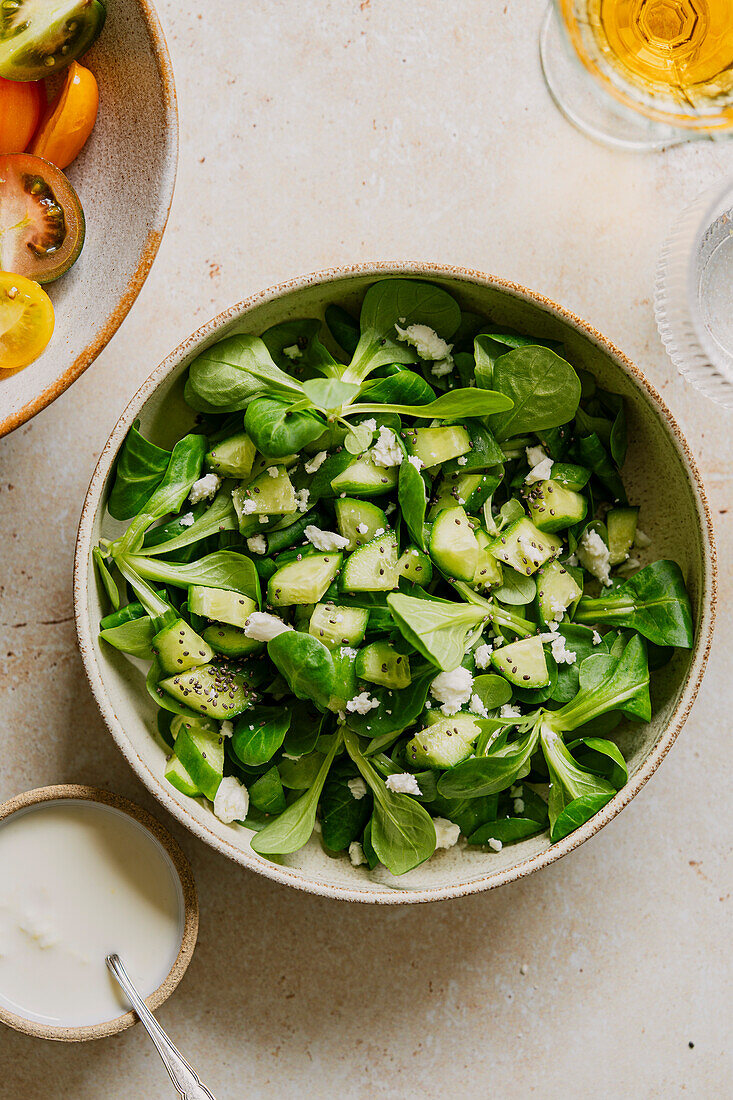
(434, 446)
(372, 568)
(303, 581)
(380, 663)
(522, 546)
(571, 476)
(470, 490)
(552, 507)
(220, 605)
(200, 749)
(179, 647)
(415, 566)
(345, 686)
(336, 626)
(453, 545)
(353, 516)
(488, 571)
(443, 744)
(264, 496)
(233, 457)
(215, 690)
(365, 478)
(556, 591)
(523, 663)
(230, 640)
(485, 451)
(621, 526)
(179, 777)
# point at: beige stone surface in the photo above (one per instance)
(328, 131)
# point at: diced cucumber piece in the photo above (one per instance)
(303, 581)
(453, 545)
(220, 605)
(488, 571)
(415, 566)
(380, 663)
(216, 690)
(556, 591)
(434, 446)
(179, 647)
(365, 478)
(469, 490)
(571, 476)
(443, 744)
(201, 752)
(335, 625)
(233, 457)
(522, 546)
(621, 526)
(359, 520)
(552, 507)
(345, 686)
(372, 568)
(230, 640)
(485, 451)
(179, 777)
(264, 496)
(523, 663)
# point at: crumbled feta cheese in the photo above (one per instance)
(357, 787)
(370, 425)
(482, 655)
(264, 519)
(597, 639)
(346, 651)
(387, 451)
(257, 544)
(356, 854)
(301, 499)
(204, 488)
(403, 783)
(518, 805)
(425, 341)
(443, 366)
(508, 711)
(325, 540)
(362, 528)
(293, 352)
(273, 471)
(231, 802)
(541, 472)
(462, 460)
(362, 703)
(316, 462)
(226, 729)
(452, 689)
(416, 462)
(494, 844)
(535, 455)
(187, 520)
(264, 627)
(446, 832)
(560, 652)
(595, 556)
(556, 607)
(478, 707)
(641, 540)
(249, 506)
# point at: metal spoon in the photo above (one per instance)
(180, 1072)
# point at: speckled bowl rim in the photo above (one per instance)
(166, 186)
(182, 867)
(284, 875)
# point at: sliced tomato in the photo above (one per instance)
(41, 37)
(21, 106)
(26, 322)
(41, 219)
(69, 119)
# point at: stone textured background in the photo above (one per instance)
(322, 132)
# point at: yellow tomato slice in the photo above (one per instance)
(69, 119)
(26, 322)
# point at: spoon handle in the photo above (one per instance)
(184, 1078)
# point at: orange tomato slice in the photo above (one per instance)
(21, 106)
(26, 322)
(69, 119)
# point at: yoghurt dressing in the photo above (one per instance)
(79, 880)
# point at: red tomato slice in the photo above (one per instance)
(41, 219)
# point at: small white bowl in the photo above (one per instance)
(660, 474)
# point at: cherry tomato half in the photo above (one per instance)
(41, 219)
(26, 322)
(21, 106)
(40, 37)
(69, 119)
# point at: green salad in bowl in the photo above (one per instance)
(388, 587)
